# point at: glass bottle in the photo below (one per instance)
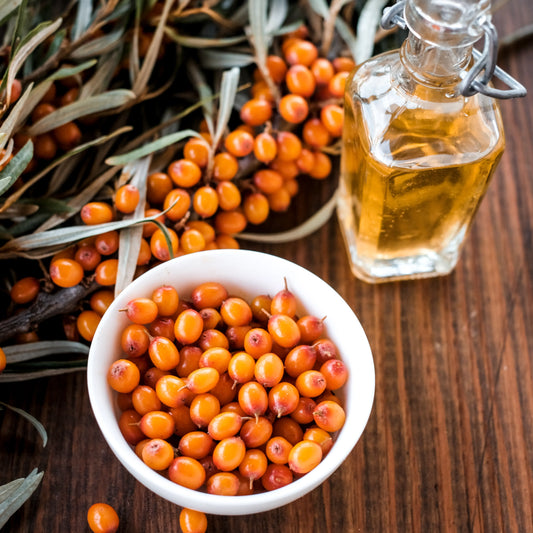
(418, 148)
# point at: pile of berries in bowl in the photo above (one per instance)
(230, 381)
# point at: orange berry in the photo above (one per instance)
(157, 454)
(288, 169)
(42, 110)
(315, 134)
(44, 146)
(123, 375)
(289, 146)
(256, 112)
(106, 272)
(180, 200)
(158, 185)
(345, 64)
(197, 150)
(239, 143)
(157, 425)
(188, 326)
(329, 416)
(66, 272)
(102, 518)
(141, 310)
(205, 201)
(86, 323)
(107, 243)
(145, 254)
(167, 299)
(184, 173)
(230, 222)
(207, 231)
(223, 484)
(3, 360)
(300, 81)
(301, 53)
(193, 521)
(265, 147)
(88, 257)
(277, 450)
(25, 290)
(225, 166)
(277, 68)
(332, 117)
(267, 181)
(127, 198)
(280, 200)
(229, 195)
(337, 84)
(276, 476)
(209, 294)
(322, 167)
(101, 300)
(163, 353)
(67, 135)
(159, 245)
(96, 213)
(322, 70)
(293, 108)
(304, 456)
(187, 472)
(229, 453)
(224, 241)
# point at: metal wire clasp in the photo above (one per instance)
(478, 77)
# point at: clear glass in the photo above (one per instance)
(417, 156)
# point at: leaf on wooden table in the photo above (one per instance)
(31, 419)
(18, 353)
(81, 108)
(15, 167)
(16, 493)
(28, 375)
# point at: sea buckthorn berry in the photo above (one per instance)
(144, 399)
(257, 342)
(211, 318)
(106, 272)
(211, 338)
(306, 161)
(289, 146)
(189, 360)
(229, 453)
(157, 425)
(69, 97)
(260, 306)
(239, 143)
(291, 186)
(127, 198)
(283, 330)
(268, 369)
(182, 420)
(288, 169)
(283, 302)
(267, 181)
(184, 173)
(188, 326)
(343, 64)
(280, 200)
(102, 518)
(86, 323)
(205, 201)
(196, 444)
(332, 117)
(322, 168)
(321, 437)
(88, 257)
(223, 484)
(325, 349)
(141, 310)
(276, 476)
(277, 450)
(300, 81)
(215, 357)
(187, 472)
(208, 294)
(225, 389)
(204, 228)
(157, 454)
(315, 134)
(163, 353)
(303, 414)
(301, 53)
(245, 487)
(293, 108)
(322, 70)
(134, 340)
(311, 328)
(256, 112)
(42, 110)
(25, 290)
(288, 428)
(128, 424)
(3, 360)
(123, 375)
(180, 200)
(304, 456)
(158, 185)
(224, 241)
(44, 146)
(256, 208)
(329, 416)
(66, 272)
(235, 311)
(235, 336)
(67, 135)
(192, 521)
(229, 195)
(159, 245)
(335, 373)
(139, 447)
(311, 383)
(337, 84)
(145, 253)
(167, 300)
(224, 425)
(202, 380)
(265, 147)
(192, 241)
(230, 222)
(197, 151)
(277, 68)
(253, 398)
(253, 465)
(283, 398)
(107, 243)
(96, 213)
(225, 166)
(150, 227)
(162, 326)
(241, 367)
(152, 375)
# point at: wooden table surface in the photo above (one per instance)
(449, 443)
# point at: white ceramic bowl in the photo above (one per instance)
(246, 274)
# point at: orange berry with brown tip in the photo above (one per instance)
(293, 108)
(159, 245)
(96, 213)
(123, 375)
(301, 52)
(256, 112)
(239, 143)
(127, 198)
(66, 272)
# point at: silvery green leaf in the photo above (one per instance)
(100, 45)
(316, 221)
(218, 59)
(150, 148)
(130, 238)
(288, 28)
(276, 15)
(16, 377)
(258, 21)
(9, 124)
(81, 108)
(18, 494)
(367, 25)
(7, 7)
(202, 42)
(205, 93)
(83, 18)
(33, 421)
(15, 167)
(228, 90)
(18, 353)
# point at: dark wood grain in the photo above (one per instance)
(449, 444)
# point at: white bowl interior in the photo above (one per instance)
(244, 273)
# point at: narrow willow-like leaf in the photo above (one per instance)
(5, 490)
(37, 36)
(130, 238)
(17, 377)
(19, 353)
(367, 26)
(19, 210)
(7, 7)
(205, 93)
(81, 108)
(150, 148)
(308, 227)
(218, 59)
(288, 28)
(77, 150)
(8, 125)
(100, 45)
(15, 167)
(258, 20)
(55, 45)
(33, 421)
(83, 18)
(202, 42)
(228, 90)
(276, 15)
(19, 495)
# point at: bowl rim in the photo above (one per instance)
(101, 396)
